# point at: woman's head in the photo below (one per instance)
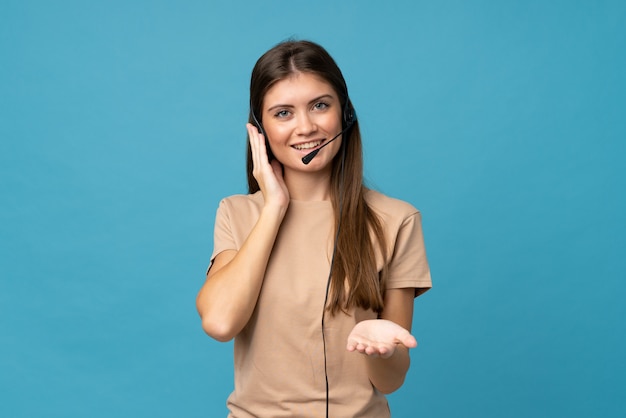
(355, 247)
(288, 59)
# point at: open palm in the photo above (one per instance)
(379, 337)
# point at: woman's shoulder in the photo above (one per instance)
(386, 205)
(241, 203)
(242, 198)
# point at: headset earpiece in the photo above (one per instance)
(259, 126)
(349, 117)
(257, 123)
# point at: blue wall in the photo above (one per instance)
(122, 125)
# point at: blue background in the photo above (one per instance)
(122, 125)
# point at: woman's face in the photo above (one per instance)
(300, 114)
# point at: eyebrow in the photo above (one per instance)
(323, 96)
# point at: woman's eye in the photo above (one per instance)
(282, 114)
(320, 106)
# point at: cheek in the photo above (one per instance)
(277, 133)
(337, 122)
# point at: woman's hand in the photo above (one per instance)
(268, 175)
(379, 338)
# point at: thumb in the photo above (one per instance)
(407, 339)
(277, 167)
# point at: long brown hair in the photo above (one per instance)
(355, 278)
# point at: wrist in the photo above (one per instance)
(274, 210)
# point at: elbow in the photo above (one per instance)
(390, 387)
(215, 326)
(218, 330)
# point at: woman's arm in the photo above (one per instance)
(227, 298)
(386, 341)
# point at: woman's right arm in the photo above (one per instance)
(228, 297)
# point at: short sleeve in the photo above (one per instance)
(223, 238)
(409, 266)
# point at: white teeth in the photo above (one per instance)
(307, 145)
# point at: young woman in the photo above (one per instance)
(312, 274)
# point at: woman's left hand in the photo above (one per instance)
(379, 337)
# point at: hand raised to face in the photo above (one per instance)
(269, 175)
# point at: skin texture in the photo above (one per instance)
(302, 111)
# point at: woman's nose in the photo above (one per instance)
(306, 124)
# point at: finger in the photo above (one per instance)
(407, 340)
(262, 148)
(351, 345)
(253, 143)
(371, 351)
(388, 350)
(253, 135)
(384, 350)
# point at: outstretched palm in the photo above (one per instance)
(379, 337)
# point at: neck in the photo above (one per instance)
(308, 186)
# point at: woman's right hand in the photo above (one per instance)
(268, 174)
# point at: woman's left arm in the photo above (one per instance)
(386, 341)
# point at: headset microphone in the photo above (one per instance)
(349, 118)
(307, 158)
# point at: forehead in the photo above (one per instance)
(298, 88)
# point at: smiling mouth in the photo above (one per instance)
(308, 145)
